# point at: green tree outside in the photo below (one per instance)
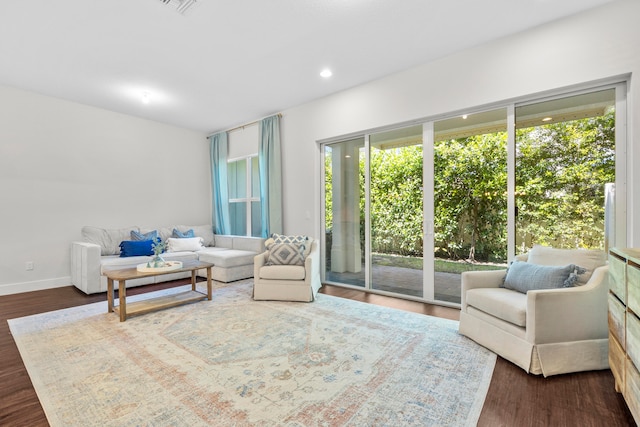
(561, 172)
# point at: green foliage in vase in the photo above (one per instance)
(159, 247)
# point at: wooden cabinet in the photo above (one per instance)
(624, 324)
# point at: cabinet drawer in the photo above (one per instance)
(632, 390)
(617, 285)
(617, 314)
(616, 362)
(633, 288)
(633, 338)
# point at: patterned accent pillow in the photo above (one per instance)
(152, 235)
(299, 239)
(177, 234)
(285, 254)
(280, 238)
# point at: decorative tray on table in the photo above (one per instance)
(148, 267)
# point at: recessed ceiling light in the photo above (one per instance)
(326, 73)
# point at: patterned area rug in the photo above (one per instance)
(238, 362)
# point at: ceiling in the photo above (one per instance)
(227, 62)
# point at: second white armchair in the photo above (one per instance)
(287, 282)
(544, 331)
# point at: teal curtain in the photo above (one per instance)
(218, 146)
(269, 163)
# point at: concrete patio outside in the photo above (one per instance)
(402, 280)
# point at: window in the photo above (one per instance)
(244, 196)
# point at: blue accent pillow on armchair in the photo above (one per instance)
(136, 248)
(523, 276)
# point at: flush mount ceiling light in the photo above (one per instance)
(326, 73)
(182, 6)
(145, 97)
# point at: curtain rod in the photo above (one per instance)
(245, 125)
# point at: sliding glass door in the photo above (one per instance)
(344, 212)
(396, 211)
(470, 198)
(565, 166)
(408, 210)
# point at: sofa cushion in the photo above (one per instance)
(107, 238)
(180, 256)
(505, 304)
(285, 254)
(524, 276)
(204, 231)
(244, 243)
(129, 248)
(184, 244)
(585, 258)
(227, 258)
(282, 272)
(225, 242)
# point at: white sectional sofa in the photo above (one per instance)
(99, 250)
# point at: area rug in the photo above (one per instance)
(238, 362)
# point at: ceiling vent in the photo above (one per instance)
(182, 6)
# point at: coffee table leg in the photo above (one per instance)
(109, 295)
(122, 295)
(209, 283)
(193, 280)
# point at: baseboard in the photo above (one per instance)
(38, 285)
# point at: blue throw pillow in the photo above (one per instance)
(136, 248)
(186, 235)
(152, 235)
(523, 276)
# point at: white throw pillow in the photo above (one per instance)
(181, 245)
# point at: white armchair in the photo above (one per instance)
(545, 331)
(287, 282)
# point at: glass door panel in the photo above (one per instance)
(396, 206)
(565, 165)
(470, 198)
(344, 212)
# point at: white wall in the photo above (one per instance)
(599, 44)
(64, 165)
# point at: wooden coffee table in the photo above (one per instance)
(158, 303)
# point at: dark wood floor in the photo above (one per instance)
(514, 398)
